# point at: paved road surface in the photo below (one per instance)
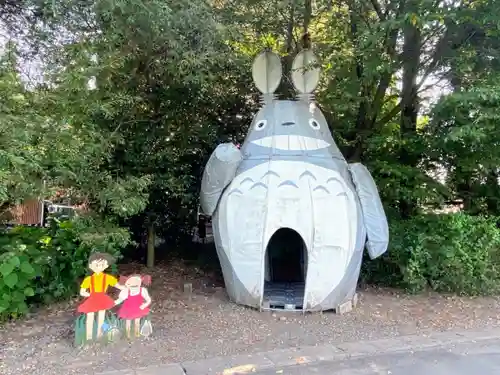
(470, 359)
(440, 353)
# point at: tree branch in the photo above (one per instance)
(378, 9)
(385, 80)
(389, 116)
(452, 39)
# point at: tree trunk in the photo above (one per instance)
(492, 196)
(360, 126)
(150, 260)
(464, 188)
(307, 15)
(409, 106)
(286, 88)
(369, 109)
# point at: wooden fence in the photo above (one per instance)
(28, 213)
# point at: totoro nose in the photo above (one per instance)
(289, 123)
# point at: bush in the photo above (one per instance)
(41, 265)
(455, 253)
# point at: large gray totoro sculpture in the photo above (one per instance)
(290, 215)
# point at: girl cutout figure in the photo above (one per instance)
(136, 301)
(94, 288)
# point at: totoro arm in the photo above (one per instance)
(218, 174)
(375, 221)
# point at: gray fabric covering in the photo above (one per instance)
(291, 174)
(376, 224)
(218, 173)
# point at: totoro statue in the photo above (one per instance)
(289, 187)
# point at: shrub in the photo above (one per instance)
(40, 265)
(455, 253)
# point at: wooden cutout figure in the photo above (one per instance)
(94, 288)
(136, 301)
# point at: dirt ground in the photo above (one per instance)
(208, 325)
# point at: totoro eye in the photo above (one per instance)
(261, 125)
(314, 124)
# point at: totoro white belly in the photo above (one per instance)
(316, 202)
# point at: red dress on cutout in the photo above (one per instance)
(131, 307)
(97, 301)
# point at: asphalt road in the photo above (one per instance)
(470, 359)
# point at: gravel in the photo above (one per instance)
(206, 324)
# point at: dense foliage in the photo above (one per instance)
(40, 265)
(455, 253)
(409, 88)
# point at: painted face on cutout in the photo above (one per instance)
(98, 265)
(133, 282)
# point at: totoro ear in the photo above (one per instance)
(305, 72)
(266, 72)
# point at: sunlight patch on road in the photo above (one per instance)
(239, 369)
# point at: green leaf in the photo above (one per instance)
(11, 280)
(4, 305)
(22, 308)
(6, 269)
(23, 282)
(17, 296)
(29, 292)
(27, 268)
(15, 261)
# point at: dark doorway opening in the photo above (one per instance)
(285, 271)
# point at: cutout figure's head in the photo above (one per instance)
(98, 262)
(135, 280)
(289, 127)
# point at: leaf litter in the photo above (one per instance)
(206, 324)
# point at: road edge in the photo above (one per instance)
(240, 364)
